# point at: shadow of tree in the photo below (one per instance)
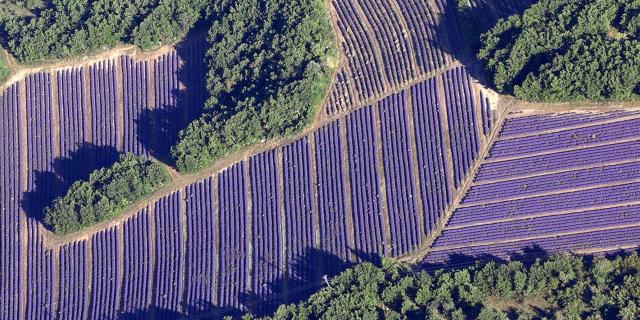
(66, 170)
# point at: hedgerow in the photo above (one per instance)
(562, 287)
(106, 194)
(269, 68)
(567, 50)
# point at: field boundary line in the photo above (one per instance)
(547, 236)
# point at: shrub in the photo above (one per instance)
(107, 193)
(567, 50)
(269, 69)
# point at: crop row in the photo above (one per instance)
(535, 123)
(41, 276)
(136, 104)
(74, 280)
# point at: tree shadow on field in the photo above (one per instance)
(78, 165)
(175, 105)
(462, 30)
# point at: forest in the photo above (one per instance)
(567, 50)
(560, 287)
(106, 194)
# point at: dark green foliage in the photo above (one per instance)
(563, 287)
(566, 50)
(69, 28)
(106, 194)
(269, 69)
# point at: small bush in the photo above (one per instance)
(107, 193)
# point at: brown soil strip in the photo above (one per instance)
(554, 151)
(542, 215)
(548, 193)
(414, 161)
(23, 214)
(605, 249)
(568, 128)
(120, 105)
(389, 249)
(347, 188)
(442, 104)
(577, 106)
(87, 293)
(152, 254)
(216, 238)
(555, 235)
(120, 271)
(249, 213)
(425, 247)
(152, 84)
(550, 172)
(314, 183)
(55, 106)
(88, 106)
(55, 255)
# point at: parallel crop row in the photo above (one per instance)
(74, 280)
(106, 274)
(138, 267)
(41, 276)
(136, 95)
(534, 124)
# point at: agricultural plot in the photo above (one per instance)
(554, 182)
(41, 276)
(106, 274)
(74, 280)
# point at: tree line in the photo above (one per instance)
(106, 194)
(567, 50)
(561, 287)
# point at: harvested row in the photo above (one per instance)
(234, 242)
(566, 139)
(341, 98)
(169, 267)
(462, 121)
(431, 152)
(562, 160)
(138, 267)
(298, 208)
(547, 204)
(332, 208)
(535, 123)
(106, 274)
(41, 276)
(74, 279)
(541, 226)
(136, 94)
(104, 110)
(358, 48)
(267, 234)
(607, 240)
(553, 182)
(396, 51)
(201, 247)
(398, 171)
(11, 161)
(365, 183)
(424, 32)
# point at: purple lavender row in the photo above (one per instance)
(545, 204)
(358, 48)
(394, 45)
(201, 247)
(450, 23)
(298, 206)
(104, 111)
(167, 88)
(136, 87)
(332, 208)
(398, 171)
(421, 20)
(340, 98)
(137, 270)
(267, 232)
(599, 239)
(462, 122)
(541, 226)
(72, 110)
(40, 276)
(74, 279)
(487, 115)
(566, 139)
(105, 275)
(553, 182)
(233, 236)
(368, 218)
(536, 123)
(11, 296)
(559, 161)
(169, 267)
(432, 167)
(40, 144)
